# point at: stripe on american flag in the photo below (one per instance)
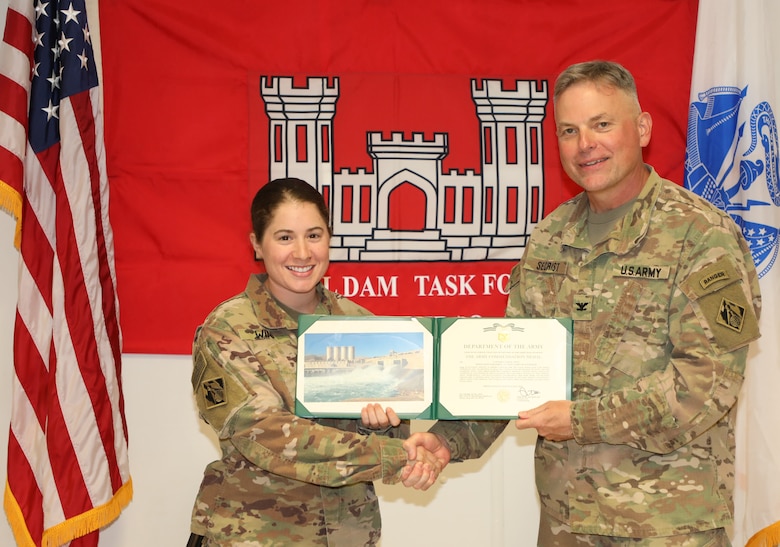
(68, 473)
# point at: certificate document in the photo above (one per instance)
(496, 367)
(431, 367)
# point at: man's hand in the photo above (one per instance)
(552, 420)
(431, 443)
(428, 454)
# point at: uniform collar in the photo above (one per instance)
(627, 232)
(267, 309)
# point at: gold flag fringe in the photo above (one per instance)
(768, 537)
(72, 528)
(11, 202)
(16, 520)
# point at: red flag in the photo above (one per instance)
(67, 455)
(428, 125)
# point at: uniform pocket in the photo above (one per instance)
(637, 331)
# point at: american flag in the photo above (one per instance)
(68, 472)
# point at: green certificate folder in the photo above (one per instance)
(444, 368)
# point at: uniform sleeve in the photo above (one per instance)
(401, 431)
(469, 439)
(237, 397)
(713, 316)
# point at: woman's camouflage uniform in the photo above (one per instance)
(664, 309)
(282, 480)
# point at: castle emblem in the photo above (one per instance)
(406, 208)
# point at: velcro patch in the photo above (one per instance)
(217, 392)
(711, 278)
(717, 291)
(583, 308)
(642, 271)
(731, 315)
(714, 277)
(546, 266)
(213, 392)
(254, 333)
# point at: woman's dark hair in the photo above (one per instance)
(279, 191)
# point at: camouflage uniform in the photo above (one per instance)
(664, 309)
(282, 480)
(469, 439)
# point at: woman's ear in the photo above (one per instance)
(256, 246)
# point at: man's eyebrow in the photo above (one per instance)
(598, 117)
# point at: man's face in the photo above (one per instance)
(601, 133)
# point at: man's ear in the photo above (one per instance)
(645, 126)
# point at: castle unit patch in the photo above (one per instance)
(214, 392)
(731, 315)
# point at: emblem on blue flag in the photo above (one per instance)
(715, 143)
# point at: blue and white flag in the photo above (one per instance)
(732, 160)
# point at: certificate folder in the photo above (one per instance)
(446, 368)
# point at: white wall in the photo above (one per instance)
(490, 502)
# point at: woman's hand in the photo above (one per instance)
(373, 416)
(422, 472)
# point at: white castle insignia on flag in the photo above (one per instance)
(461, 216)
(715, 137)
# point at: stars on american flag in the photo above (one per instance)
(63, 66)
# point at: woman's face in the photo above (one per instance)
(295, 250)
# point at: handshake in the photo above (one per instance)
(427, 453)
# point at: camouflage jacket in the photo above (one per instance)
(469, 439)
(664, 309)
(282, 480)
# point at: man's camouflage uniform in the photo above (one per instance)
(663, 309)
(282, 480)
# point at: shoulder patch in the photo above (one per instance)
(711, 278)
(718, 293)
(214, 393)
(217, 393)
(731, 315)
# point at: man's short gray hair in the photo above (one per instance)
(599, 72)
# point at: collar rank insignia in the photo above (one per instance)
(731, 315)
(583, 308)
(214, 392)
